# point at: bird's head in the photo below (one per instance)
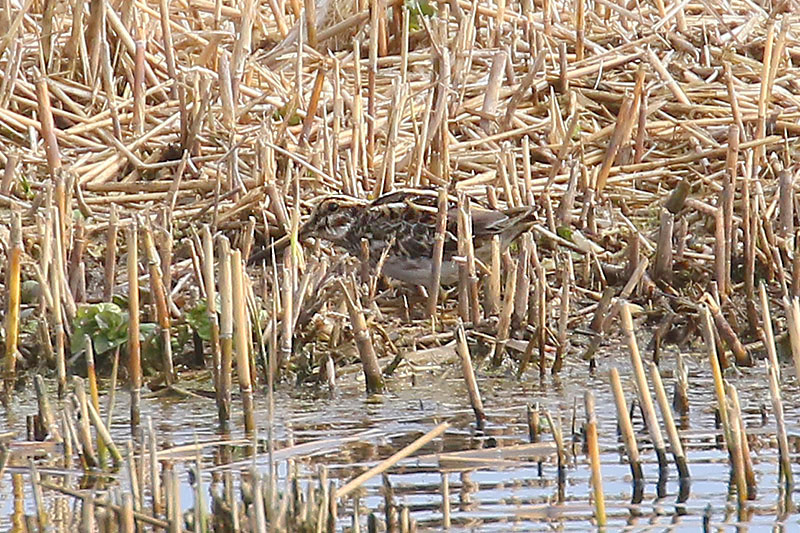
(332, 218)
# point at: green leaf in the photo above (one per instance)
(197, 318)
(105, 323)
(147, 330)
(564, 232)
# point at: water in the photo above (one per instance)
(347, 433)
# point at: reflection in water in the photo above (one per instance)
(317, 437)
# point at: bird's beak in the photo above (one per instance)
(304, 232)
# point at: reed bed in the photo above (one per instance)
(151, 150)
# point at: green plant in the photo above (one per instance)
(197, 318)
(106, 324)
(418, 9)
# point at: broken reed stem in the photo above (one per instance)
(662, 268)
(83, 430)
(747, 462)
(672, 432)
(504, 325)
(716, 371)
(94, 392)
(134, 348)
(785, 462)
(769, 335)
(625, 427)
(727, 197)
(57, 289)
(541, 317)
(138, 84)
(563, 316)
(386, 464)
(47, 126)
(727, 333)
(622, 131)
(242, 340)
(46, 416)
(363, 339)
(287, 318)
(372, 74)
(599, 320)
(737, 459)
(159, 296)
(793, 325)
(465, 234)
(104, 434)
(438, 250)
(786, 203)
(12, 304)
(680, 400)
(774, 378)
(645, 400)
(225, 333)
(8, 181)
(594, 460)
(719, 253)
(493, 286)
(211, 306)
(469, 377)
(558, 437)
(522, 291)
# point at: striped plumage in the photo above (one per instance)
(406, 219)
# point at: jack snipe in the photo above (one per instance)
(406, 221)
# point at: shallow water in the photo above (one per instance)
(352, 433)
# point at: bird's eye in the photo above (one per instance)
(332, 207)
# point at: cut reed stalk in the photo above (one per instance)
(13, 288)
(225, 333)
(680, 400)
(563, 316)
(642, 389)
(57, 285)
(672, 432)
(522, 290)
(744, 445)
(242, 339)
(504, 325)
(47, 126)
(493, 285)
(438, 250)
(155, 479)
(662, 268)
(104, 434)
(716, 372)
(465, 238)
(46, 416)
(159, 295)
(541, 318)
(369, 360)
(626, 428)
(134, 349)
(83, 429)
(287, 311)
(209, 282)
(469, 377)
(601, 316)
(727, 334)
(785, 464)
(594, 460)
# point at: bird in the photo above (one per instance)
(402, 224)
